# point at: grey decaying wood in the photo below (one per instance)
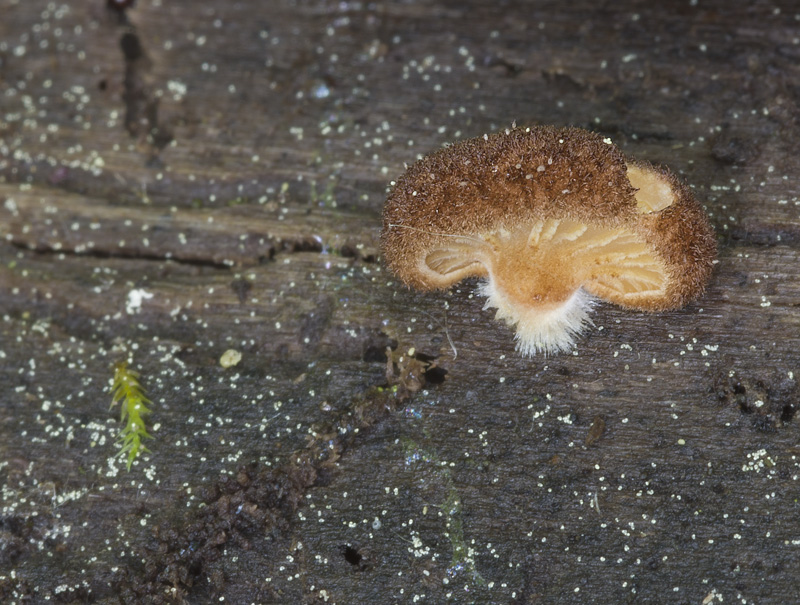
(188, 177)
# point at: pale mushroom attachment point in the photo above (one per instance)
(551, 220)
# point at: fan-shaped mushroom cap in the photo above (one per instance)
(550, 218)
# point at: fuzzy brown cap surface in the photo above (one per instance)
(524, 176)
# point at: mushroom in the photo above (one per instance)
(552, 220)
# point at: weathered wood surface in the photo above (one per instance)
(230, 160)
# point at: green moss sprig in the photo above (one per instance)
(127, 391)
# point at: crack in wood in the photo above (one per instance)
(141, 104)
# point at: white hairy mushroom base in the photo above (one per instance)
(542, 278)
